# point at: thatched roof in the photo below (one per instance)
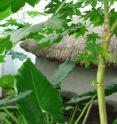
(67, 49)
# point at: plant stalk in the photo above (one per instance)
(102, 65)
(100, 91)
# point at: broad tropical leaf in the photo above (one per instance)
(63, 71)
(4, 4)
(17, 4)
(5, 13)
(43, 97)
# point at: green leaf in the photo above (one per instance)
(36, 13)
(4, 4)
(17, 4)
(49, 40)
(5, 45)
(1, 58)
(92, 37)
(112, 1)
(14, 22)
(109, 57)
(96, 16)
(91, 50)
(77, 29)
(7, 81)
(22, 33)
(115, 122)
(17, 55)
(63, 71)
(10, 100)
(5, 13)
(32, 2)
(43, 97)
(53, 23)
(86, 96)
(113, 15)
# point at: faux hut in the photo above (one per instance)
(48, 60)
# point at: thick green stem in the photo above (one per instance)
(100, 91)
(101, 66)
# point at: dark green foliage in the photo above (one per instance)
(12, 99)
(4, 4)
(113, 14)
(115, 122)
(96, 16)
(91, 50)
(13, 22)
(43, 97)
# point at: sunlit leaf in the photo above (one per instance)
(7, 81)
(5, 45)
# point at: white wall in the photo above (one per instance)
(80, 79)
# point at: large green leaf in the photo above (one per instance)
(17, 4)
(43, 97)
(7, 81)
(4, 4)
(5, 13)
(63, 71)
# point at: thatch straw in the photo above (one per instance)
(67, 49)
